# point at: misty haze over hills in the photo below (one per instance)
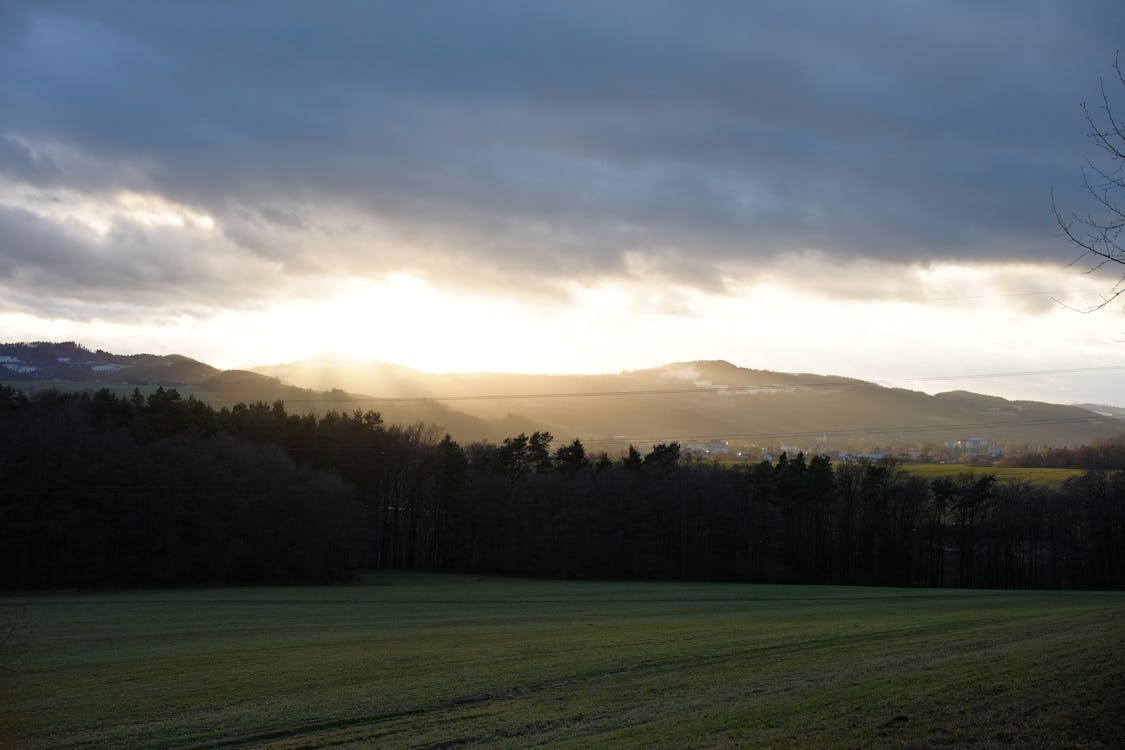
(689, 401)
(707, 400)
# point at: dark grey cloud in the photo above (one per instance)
(555, 138)
(70, 270)
(17, 160)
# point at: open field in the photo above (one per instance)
(1051, 477)
(453, 661)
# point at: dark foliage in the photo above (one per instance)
(103, 492)
(1107, 454)
(107, 491)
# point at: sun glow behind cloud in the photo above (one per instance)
(910, 323)
(653, 200)
(400, 319)
(619, 324)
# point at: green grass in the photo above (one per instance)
(1051, 477)
(452, 661)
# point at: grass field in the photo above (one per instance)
(451, 661)
(1052, 477)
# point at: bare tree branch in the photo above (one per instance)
(1098, 236)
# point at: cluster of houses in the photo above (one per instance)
(971, 450)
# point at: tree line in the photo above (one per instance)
(101, 490)
(1103, 454)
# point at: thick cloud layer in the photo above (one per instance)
(543, 141)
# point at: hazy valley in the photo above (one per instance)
(700, 403)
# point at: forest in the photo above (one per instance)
(98, 491)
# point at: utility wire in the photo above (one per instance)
(983, 376)
(735, 389)
(979, 296)
(574, 394)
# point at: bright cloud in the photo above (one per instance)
(859, 190)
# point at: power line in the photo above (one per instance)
(575, 394)
(982, 376)
(970, 298)
(735, 389)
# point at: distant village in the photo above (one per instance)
(971, 451)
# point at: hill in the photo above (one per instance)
(710, 400)
(696, 403)
(70, 366)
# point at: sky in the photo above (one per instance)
(860, 189)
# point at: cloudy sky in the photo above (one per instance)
(853, 188)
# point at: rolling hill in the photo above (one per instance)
(704, 401)
(70, 366)
(692, 402)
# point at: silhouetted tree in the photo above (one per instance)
(97, 490)
(970, 506)
(1098, 233)
(539, 451)
(632, 459)
(572, 458)
(663, 456)
(513, 456)
(11, 399)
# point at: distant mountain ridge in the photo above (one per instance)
(701, 401)
(1105, 409)
(716, 400)
(69, 365)
(70, 361)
